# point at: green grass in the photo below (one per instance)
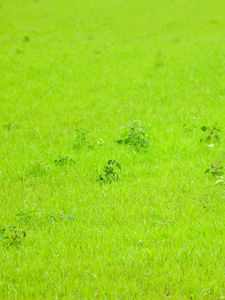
(158, 232)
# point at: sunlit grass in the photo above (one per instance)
(74, 77)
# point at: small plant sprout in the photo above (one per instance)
(212, 135)
(217, 170)
(64, 161)
(28, 218)
(24, 217)
(80, 140)
(12, 235)
(60, 216)
(110, 172)
(136, 137)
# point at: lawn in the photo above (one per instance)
(74, 77)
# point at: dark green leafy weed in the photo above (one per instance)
(110, 171)
(212, 134)
(81, 140)
(12, 236)
(217, 169)
(136, 137)
(64, 161)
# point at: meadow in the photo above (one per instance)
(112, 149)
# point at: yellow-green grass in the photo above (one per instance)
(158, 231)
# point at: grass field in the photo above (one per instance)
(74, 75)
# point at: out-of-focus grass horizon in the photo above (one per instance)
(74, 76)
